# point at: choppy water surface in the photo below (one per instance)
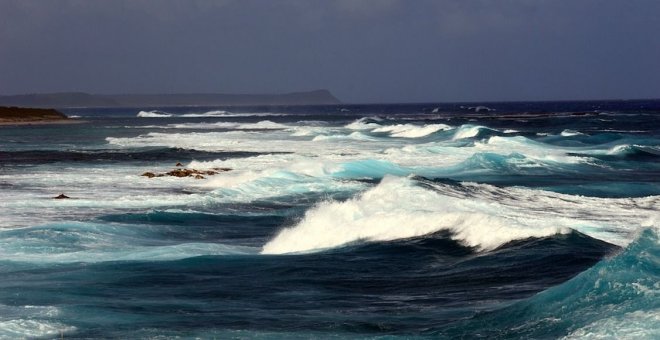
(534, 220)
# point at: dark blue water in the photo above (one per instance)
(521, 220)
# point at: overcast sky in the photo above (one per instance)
(361, 50)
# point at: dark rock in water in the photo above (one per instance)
(61, 196)
(197, 174)
(179, 164)
(181, 172)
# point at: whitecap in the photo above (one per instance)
(571, 133)
(153, 114)
(412, 131)
(477, 215)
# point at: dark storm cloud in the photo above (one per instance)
(363, 51)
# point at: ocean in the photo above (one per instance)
(489, 220)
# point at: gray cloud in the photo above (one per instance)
(363, 51)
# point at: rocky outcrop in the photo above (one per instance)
(61, 197)
(23, 115)
(197, 174)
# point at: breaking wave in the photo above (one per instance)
(474, 131)
(617, 298)
(396, 209)
(412, 131)
(213, 113)
(477, 215)
(153, 114)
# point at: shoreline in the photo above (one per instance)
(32, 116)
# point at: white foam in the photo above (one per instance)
(214, 113)
(316, 154)
(530, 149)
(14, 312)
(153, 114)
(411, 130)
(478, 215)
(222, 113)
(397, 209)
(356, 135)
(262, 125)
(467, 131)
(299, 178)
(633, 325)
(570, 133)
(28, 328)
(304, 131)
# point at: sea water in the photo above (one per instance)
(350, 221)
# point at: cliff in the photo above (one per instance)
(79, 99)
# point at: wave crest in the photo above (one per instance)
(153, 114)
(396, 209)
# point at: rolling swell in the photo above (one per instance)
(330, 291)
(618, 297)
(191, 226)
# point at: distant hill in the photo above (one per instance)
(81, 99)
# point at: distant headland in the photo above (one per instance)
(21, 115)
(81, 99)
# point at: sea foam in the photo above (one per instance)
(153, 114)
(412, 131)
(477, 215)
(397, 209)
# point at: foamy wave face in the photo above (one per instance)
(477, 215)
(472, 131)
(260, 185)
(375, 125)
(213, 113)
(570, 133)
(531, 149)
(352, 136)
(632, 325)
(27, 328)
(397, 209)
(20, 322)
(262, 125)
(412, 131)
(153, 114)
(365, 123)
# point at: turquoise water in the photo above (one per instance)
(536, 220)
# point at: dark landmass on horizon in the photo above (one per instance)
(81, 99)
(20, 115)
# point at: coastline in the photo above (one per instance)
(43, 122)
(28, 116)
